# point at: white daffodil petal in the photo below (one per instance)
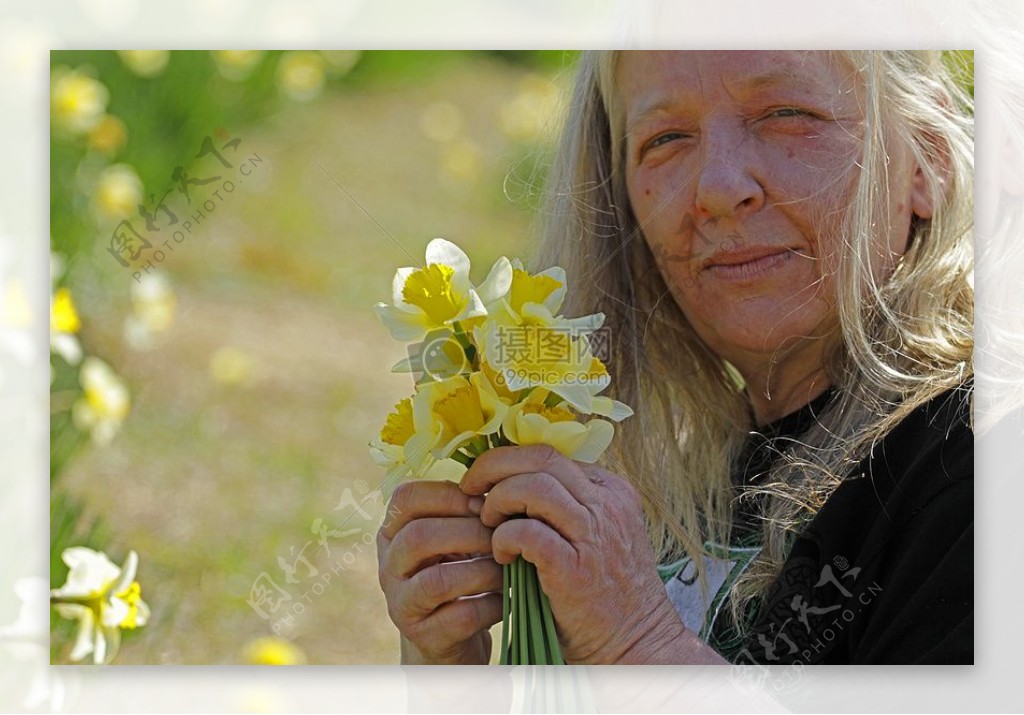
(84, 641)
(584, 324)
(497, 283)
(142, 613)
(554, 301)
(474, 307)
(398, 286)
(579, 397)
(446, 253)
(115, 612)
(131, 565)
(599, 436)
(402, 325)
(612, 409)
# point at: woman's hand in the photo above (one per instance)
(584, 531)
(430, 531)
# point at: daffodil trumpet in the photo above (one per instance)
(495, 364)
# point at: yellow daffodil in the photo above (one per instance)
(145, 63)
(301, 74)
(153, 307)
(543, 355)
(532, 421)
(439, 294)
(236, 65)
(104, 599)
(455, 411)
(109, 135)
(118, 192)
(271, 650)
(105, 404)
(399, 448)
(77, 100)
(64, 323)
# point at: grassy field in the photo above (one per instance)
(251, 414)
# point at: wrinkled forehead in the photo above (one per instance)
(645, 79)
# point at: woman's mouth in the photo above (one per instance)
(747, 264)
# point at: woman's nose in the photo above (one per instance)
(726, 185)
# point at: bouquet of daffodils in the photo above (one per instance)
(494, 364)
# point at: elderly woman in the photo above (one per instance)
(782, 245)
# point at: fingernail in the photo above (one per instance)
(476, 505)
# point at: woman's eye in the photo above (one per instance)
(789, 112)
(662, 139)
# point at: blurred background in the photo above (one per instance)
(221, 225)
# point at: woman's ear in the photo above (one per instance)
(922, 202)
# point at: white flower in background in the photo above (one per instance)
(105, 403)
(236, 65)
(77, 100)
(301, 74)
(145, 63)
(103, 598)
(440, 293)
(153, 308)
(118, 193)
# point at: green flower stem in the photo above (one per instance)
(551, 634)
(537, 639)
(506, 584)
(522, 612)
(463, 458)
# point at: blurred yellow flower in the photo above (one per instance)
(77, 100)
(236, 65)
(301, 74)
(153, 308)
(145, 63)
(64, 323)
(441, 121)
(109, 135)
(271, 650)
(231, 366)
(461, 161)
(103, 598)
(530, 115)
(105, 403)
(535, 422)
(118, 193)
(440, 293)
(341, 62)
(63, 316)
(456, 410)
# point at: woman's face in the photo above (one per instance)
(739, 166)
